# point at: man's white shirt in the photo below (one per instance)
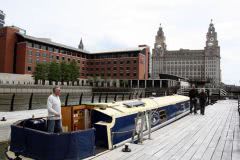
(54, 107)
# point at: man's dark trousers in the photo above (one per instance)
(193, 104)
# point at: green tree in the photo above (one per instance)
(65, 72)
(74, 71)
(54, 73)
(41, 73)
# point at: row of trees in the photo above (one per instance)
(56, 72)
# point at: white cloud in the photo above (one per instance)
(107, 24)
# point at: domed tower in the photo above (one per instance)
(158, 53)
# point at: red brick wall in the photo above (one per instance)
(7, 45)
(131, 70)
(21, 59)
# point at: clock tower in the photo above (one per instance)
(160, 48)
(212, 57)
(212, 47)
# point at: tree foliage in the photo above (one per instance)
(54, 71)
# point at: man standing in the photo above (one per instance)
(54, 123)
(202, 101)
(193, 93)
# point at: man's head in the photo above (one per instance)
(56, 90)
(193, 86)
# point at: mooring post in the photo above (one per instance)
(30, 102)
(12, 102)
(66, 100)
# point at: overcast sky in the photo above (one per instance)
(117, 24)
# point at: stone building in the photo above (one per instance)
(2, 17)
(199, 66)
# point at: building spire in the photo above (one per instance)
(81, 46)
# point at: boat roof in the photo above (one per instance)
(123, 108)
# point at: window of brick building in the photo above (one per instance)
(56, 50)
(115, 74)
(57, 57)
(43, 47)
(128, 74)
(115, 62)
(29, 44)
(114, 68)
(128, 62)
(121, 62)
(134, 74)
(29, 60)
(29, 52)
(37, 54)
(29, 68)
(36, 46)
(121, 74)
(44, 55)
(50, 49)
(135, 61)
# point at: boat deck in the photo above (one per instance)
(214, 136)
(16, 116)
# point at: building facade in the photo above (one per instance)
(2, 17)
(20, 53)
(199, 66)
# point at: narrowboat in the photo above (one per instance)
(89, 128)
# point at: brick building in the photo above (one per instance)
(19, 54)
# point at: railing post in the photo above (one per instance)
(92, 98)
(136, 96)
(106, 98)
(30, 102)
(66, 100)
(100, 97)
(80, 99)
(130, 95)
(123, 97)
(115, 97)
(12, 102)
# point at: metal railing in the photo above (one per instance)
(30, 101)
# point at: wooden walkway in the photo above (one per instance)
(214, 136)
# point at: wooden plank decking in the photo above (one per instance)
(214, 136)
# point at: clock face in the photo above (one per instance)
(211, 39)
(159, 46)
(210, 44)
